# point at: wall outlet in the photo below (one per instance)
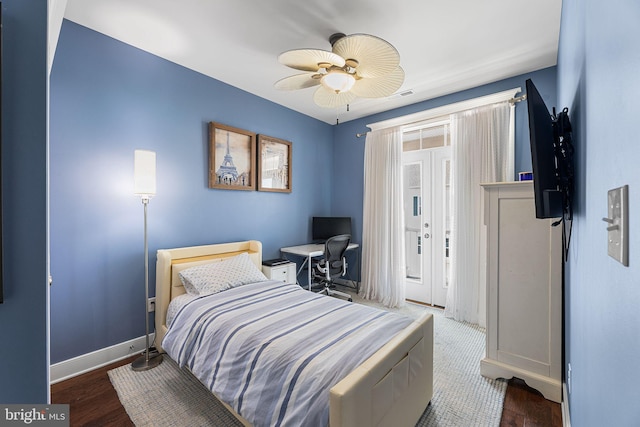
(151, 304)
(569, 377)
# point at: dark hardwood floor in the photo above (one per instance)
(525, 407)
(94, 402)
(92, 399)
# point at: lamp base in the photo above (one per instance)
(144, 364)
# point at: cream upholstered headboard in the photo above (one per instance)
(171, 261)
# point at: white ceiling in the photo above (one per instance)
(445, 45)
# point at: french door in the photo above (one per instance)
(427, 223)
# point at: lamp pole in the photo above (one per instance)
(143, 169)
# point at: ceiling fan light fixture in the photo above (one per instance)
(338, 81)
(359, 65)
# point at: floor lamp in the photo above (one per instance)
(145, 187)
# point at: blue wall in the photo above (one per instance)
(348, 150)
(598, 79)
(107, 99)
(23, 316)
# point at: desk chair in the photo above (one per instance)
(333, 265)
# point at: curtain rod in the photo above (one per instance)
(511, 101)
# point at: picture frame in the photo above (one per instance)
(232, 158)
(274, 164)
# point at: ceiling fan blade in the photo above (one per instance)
(298, 81)
(379, 87)
(376, 57)
(329, 99)
(309, 59)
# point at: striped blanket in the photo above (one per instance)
(273, 351)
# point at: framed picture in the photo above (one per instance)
(274, 164)
(232, 158)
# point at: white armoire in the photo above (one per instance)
(524, 290)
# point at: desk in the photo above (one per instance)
(308, 252)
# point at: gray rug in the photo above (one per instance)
(169, 396)
(461, 396)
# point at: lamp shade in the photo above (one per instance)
(144, 175)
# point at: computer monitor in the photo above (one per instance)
(323, 227)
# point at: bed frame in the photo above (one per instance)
(391, 388)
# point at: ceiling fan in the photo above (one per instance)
(359, 65)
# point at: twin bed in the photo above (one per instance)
(351, 365)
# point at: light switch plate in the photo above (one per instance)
(618, 229)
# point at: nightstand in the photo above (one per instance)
(285, 272)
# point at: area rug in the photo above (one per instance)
(168, 396)
(461, 396)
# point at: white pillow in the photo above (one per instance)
(207, 279)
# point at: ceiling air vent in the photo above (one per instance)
(402, 94)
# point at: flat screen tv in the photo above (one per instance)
(323, 227)
(551, 157)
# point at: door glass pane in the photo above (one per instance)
(447, 138)
(411, 140)
(447, 222)
(433, 137)
(413, 219)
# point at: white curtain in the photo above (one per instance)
(482, 151)
(383, 257)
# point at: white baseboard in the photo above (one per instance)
(566, 418)
(88, 362)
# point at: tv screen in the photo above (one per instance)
(548, 197)
(323, 227)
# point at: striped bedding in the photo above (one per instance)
(272, 351)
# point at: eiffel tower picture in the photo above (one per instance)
(232, 158)
(227, 172)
